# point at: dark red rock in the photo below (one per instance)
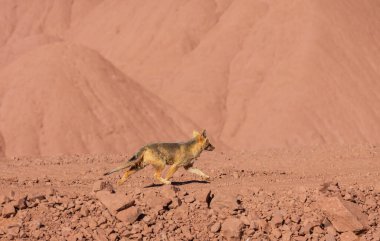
(215, 227)
(348, 236)
(20, 202)
(102, 185)
(129, 215)
(189, 199)
(13, 230)
(8, 210)
(84, 211)
(4, 199)
(176, 202)
(232, 228)
(277, 220)
(226, 201)
(330, 237)
(114, 202)
(36, 224)
(156, 201)
(36, 197)
(345, 216)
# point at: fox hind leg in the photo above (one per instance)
(125, 176)
(131, 170)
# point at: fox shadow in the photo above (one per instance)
(177, 183)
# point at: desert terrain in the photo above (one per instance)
(288, 92)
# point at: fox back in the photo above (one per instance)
(170, 153)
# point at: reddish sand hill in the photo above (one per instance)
(68, 99)
(307, 74)
(256, 74)
(2, 145)
(273, 73)
(148, 39)
(15, 49)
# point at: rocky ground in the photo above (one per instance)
(310, 194)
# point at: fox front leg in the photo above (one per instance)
(197, 172)
(157, 175)
(173, 168)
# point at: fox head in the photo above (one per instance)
(203, 140)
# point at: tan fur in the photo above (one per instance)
(174, 154)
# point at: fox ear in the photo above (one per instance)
(204, 133)
(196, 134)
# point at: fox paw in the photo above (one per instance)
(207, 178)
(166, 182)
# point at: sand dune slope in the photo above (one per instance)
(279, 74)
(255, 74)
(2, 145)
(273, 73)
(20, 19)
(147, 39)
(65, 98)
(15, 49)
(307, 74)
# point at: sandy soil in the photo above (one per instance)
(256, 196)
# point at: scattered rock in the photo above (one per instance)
(277, 220)
(51, 192)
(11, 194)
(268, 215)
(245, 220)
(92, 223)
(176, 202)
(129, 215)
(4, 199)
(181, 213)
(36, 224)
(331, 230)
(102, 185)
(84, 211)
(262, 226)
(189, 199)
(276, 233)
(149, 220)
(345, 216)
(20, 202)
(156, 201)
(186, 232)
(36, 197)
(376, 235)
(348, 236)
(286, 236)
(13, 230)
(226, 201)
(232, 228)
(8, 210)
(114, 202)
(215, 227)
(113, 237)
(330, 237)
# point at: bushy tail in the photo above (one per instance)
(133, 160)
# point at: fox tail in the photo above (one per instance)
(133, 160)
